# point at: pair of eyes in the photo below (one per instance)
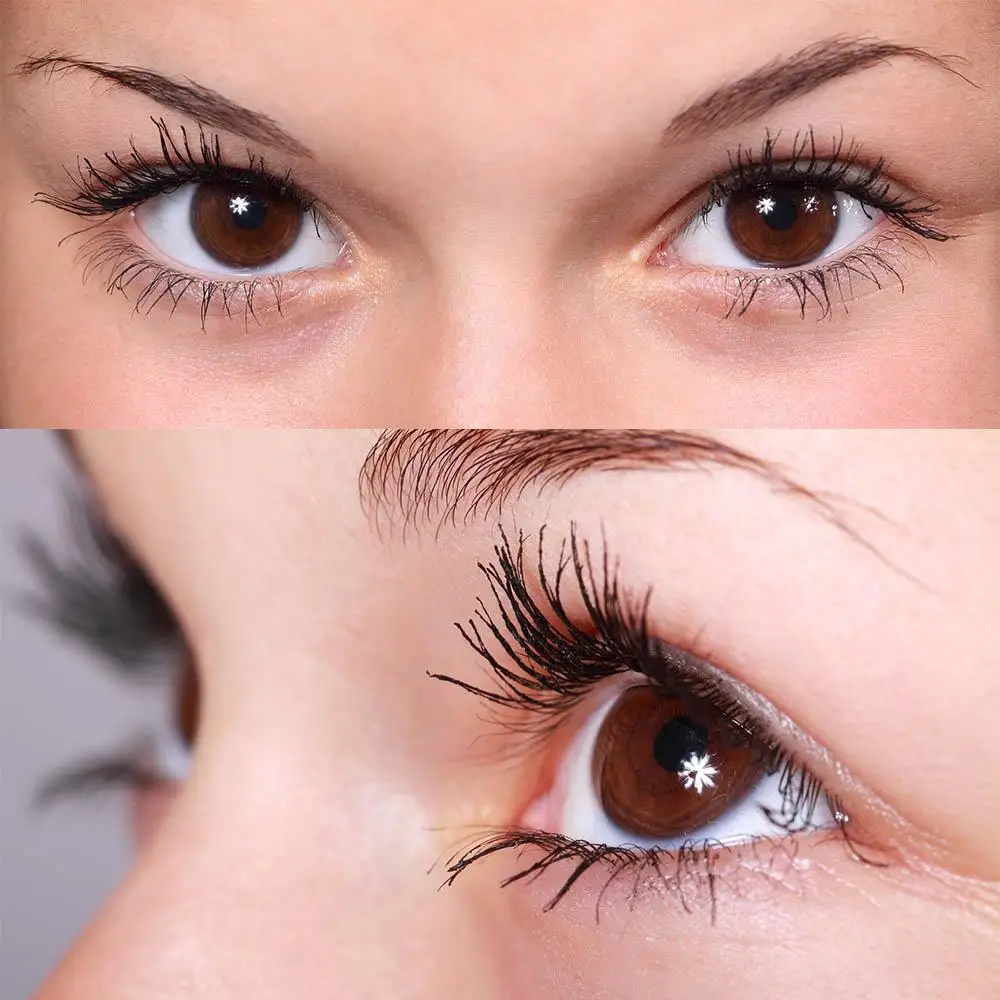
(648, 768)
(230, 229)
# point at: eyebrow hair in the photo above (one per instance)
(203, 104)
(744, 99)
(411, 478)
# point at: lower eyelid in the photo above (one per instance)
(150, 281)
(878, 262)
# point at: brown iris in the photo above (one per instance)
(665, 767)
(782, 227)
(240, 227)
(187, 704)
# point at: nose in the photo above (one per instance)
(294, 880)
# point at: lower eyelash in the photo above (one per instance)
(690, 874)
(125, 265)
(827, 285)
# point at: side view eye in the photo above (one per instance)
(235, 229)
(654, 768)
(776, 227)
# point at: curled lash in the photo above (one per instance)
(102, 596)
(126, 182)
(125, 265)
(690, 870)
(549, 663)
(842, 170)
(99, 594)
(120, 184)
(875, 263)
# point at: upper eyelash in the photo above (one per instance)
(102, 595)
(135, 178)
(555, 663)
(843, 169)
(104, 192)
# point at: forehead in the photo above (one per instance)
(470, 59)
(493, 100)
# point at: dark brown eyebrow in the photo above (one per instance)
(203, 104)
(412, 478)
(785, 78)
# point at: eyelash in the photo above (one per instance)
(102, 193)
(845, 171)
(106, 599)
(554, 664)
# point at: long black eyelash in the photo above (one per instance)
(119, 184)
(124, 182)
(102, 596)
(688, 870)
(99, 594)
(547, 663)
(843, 171)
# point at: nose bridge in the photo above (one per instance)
(266, 892)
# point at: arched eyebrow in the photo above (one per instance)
(204, 105)
(419, 478)
(732, 103)
(787, 77)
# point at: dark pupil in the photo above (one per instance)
(677, 741)
(779, 213)
(247, 211)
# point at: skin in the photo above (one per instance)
(502, 176)
(303, 856)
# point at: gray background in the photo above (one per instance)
(58, 703)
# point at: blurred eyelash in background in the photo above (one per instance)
(99, 594)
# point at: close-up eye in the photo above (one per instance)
(776, 227)
(672, 758)
(664, 769)
(237, 230)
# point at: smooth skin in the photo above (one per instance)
(502, 175)
(332, 775)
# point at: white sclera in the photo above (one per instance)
(166, 222)
(169, 755)
(707, 241)
(583, 817)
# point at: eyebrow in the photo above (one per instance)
(749, 97)
(202, 103)
(414, 478)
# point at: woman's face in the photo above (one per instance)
(855, 618)
(500, 214)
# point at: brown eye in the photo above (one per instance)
(665, 767)
(187, 704)
(242, 228)
(782, 227)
